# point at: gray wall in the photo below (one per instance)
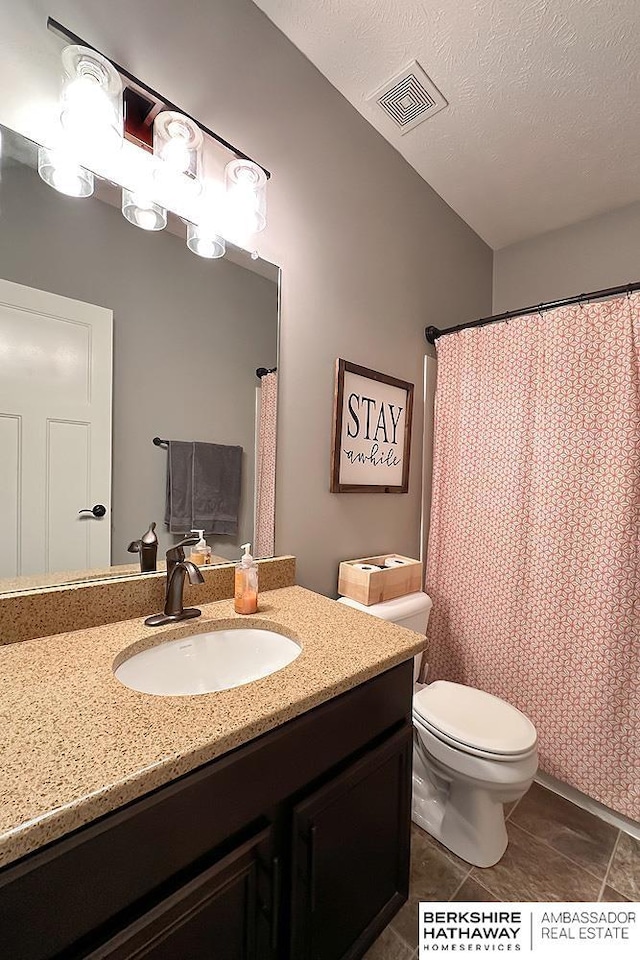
(188, 336)
(370, 254)
(597, 253)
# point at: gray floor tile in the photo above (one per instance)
(567, 828)
(472, 891)
(624, 873)
(434, 876)
(389, 946)
(609, 895)
(509, 808)
(531, 871)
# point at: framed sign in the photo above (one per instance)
(371, 431)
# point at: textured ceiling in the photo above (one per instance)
(542, 128)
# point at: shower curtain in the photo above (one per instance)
(264, 536)
(533, 561)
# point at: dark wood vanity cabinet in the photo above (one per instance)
(294, 846)
(350, 842)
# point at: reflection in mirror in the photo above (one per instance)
(111, 336)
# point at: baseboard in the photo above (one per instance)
(587, 803)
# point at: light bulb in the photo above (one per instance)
(207, 248)
(246, 197)
(205, 242)
(177, 144)
(142, 211)
(60, 170)
(176, 190)
(91, 101)
(175, 151)
(246, 213)
(146, 219)
(66, 181)
(247, 176)
(86, 94)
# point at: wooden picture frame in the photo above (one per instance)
(371, 440)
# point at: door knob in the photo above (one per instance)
(98, 511)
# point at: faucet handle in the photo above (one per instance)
(176, 553)
(150, 538)
(145, 542)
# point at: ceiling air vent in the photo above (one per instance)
(409, 98)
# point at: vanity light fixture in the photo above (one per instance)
(115, 126)
(142, 211)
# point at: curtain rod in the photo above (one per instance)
(262, 371)
(433, 333)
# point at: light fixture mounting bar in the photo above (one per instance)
(61, 31)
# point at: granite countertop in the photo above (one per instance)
(77, 744)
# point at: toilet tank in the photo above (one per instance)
(411, 612)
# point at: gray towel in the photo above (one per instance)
(203, 487)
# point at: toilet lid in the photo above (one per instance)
(474, 719)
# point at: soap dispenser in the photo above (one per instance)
(201, 552)
(246, 583)
(147, 548)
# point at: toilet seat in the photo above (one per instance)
(474, 722)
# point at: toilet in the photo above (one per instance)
(472, 752)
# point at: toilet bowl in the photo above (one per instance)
(472, 752)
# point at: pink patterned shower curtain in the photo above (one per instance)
(264, 545)
(534, 566)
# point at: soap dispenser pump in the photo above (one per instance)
(246, 583)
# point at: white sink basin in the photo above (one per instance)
(205, 662)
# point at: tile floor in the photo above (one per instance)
(557, 851)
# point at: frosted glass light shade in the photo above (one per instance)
(143, 212)
(205, 242)
(64, 174)
(177, 141)
(246, 187)
(177, 145)
(91, 100)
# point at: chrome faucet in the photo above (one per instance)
(177, 569)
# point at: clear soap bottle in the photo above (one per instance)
(201, 552)
(246, 583)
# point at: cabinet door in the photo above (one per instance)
(351, 843)
(228, 912)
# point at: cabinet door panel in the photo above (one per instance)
(220, 915)
(351, 854)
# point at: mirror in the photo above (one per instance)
(111, 335)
